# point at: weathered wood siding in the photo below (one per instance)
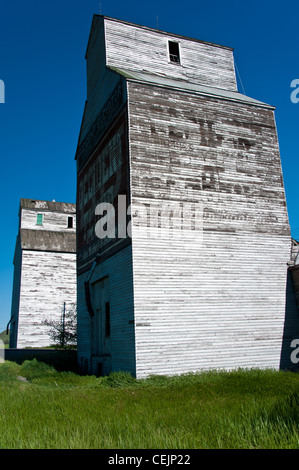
(53, 221)
(295, 251)
(217, 297)
(118, 269)
(48, 280)
(143, 49)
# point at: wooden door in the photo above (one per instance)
(102, 318)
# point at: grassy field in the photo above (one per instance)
(41, 408)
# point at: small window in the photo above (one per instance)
(70, 222)
(39, 219)
(107, 319)
(174, 52)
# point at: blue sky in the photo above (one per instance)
(42, 50)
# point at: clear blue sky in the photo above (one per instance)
(42, 49)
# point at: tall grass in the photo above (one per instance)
(240, 409)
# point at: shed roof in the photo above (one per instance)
(184, 85)
(51, 206)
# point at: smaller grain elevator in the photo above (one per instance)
(183, 174)
(44, 270)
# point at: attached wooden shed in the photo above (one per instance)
(195, 277)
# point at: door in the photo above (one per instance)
(101, 325)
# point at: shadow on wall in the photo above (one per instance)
(61, 360)
(290, 351)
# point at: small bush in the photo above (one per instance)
(118, 379)
(33, 369)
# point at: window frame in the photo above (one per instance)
(179, 63)
(40, 224)
(70, 218)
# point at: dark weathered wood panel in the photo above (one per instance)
(118, 269)
(100, 113)
(13, 336)
(103, 178)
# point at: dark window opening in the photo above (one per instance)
(107, 319)
(70, 222)
(174, 52)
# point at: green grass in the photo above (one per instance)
(5, 338)
(244, 409)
